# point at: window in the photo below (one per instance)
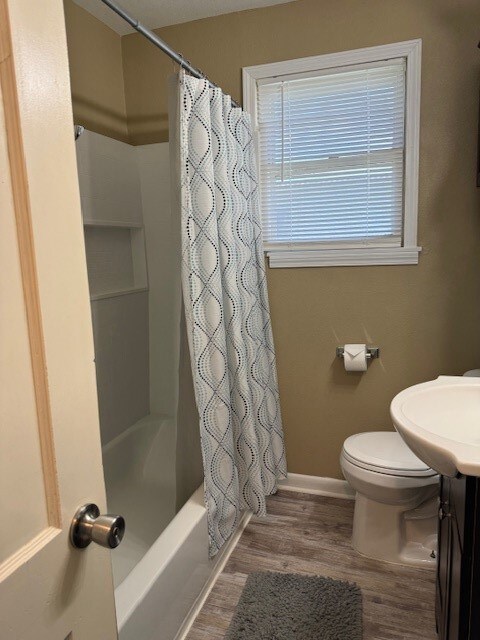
(337, 139)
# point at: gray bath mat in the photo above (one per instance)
(290, 606)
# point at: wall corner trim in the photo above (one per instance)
(331, 487)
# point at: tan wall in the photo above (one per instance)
(96, 73)
(425, 318)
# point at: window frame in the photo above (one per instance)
(313, 256)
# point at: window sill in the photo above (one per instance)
(343, 257)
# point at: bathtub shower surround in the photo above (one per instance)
(226, 308)
(148, 420)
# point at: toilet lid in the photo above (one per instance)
(384, 452)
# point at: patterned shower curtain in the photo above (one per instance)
(226, 309)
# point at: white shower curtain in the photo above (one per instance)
(226, 308)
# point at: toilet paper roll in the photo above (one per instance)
(355, 357)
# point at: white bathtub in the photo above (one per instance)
(162, 565)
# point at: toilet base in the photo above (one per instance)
(393, 534)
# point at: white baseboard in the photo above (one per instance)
(225, 553)
(331, 487)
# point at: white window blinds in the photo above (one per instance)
(331, 154)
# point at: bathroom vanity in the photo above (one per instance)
(439, 420)
(458, 572)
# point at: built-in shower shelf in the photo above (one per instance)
(114, 294)
(113, 223)
(115, 259)
(112, 213)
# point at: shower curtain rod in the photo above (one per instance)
(161, 44)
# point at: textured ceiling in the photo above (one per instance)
(160, 13)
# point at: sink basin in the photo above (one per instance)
(440, 422)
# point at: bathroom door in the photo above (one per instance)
(50, 458)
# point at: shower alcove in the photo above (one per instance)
(148, 419)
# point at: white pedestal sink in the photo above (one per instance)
(440, 422)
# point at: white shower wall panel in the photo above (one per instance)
(112, 212)
(108, 179)
(171, 385)
(163, 252)
(120, 326)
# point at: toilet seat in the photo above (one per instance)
(385, 453)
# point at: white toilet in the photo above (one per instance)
(396, 502)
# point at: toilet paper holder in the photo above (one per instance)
(372, 352)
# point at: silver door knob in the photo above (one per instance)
(89, 526)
